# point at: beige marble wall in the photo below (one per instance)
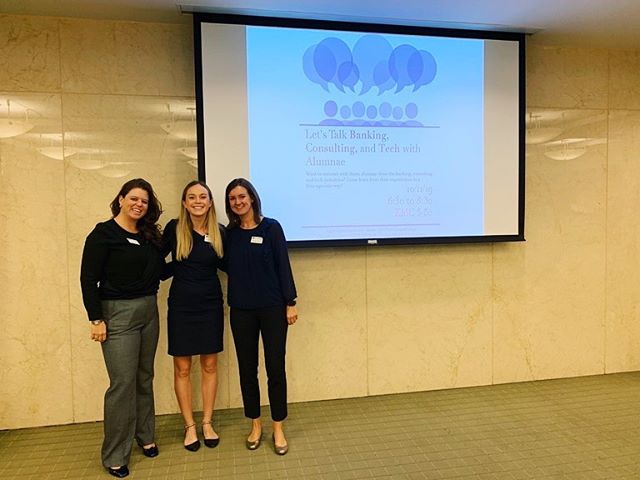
(550, 291)
(29, 54)
(622, 321)
(35, 385)
(98, 56)
(372, 320)
(560, 77)
(429, 317)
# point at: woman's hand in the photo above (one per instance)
(292, 314)
(99, 332)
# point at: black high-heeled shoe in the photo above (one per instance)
(209, 442)
(119, 472)
(195, 446)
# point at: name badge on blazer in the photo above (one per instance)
(207, 239)
(257, 240)
(133, 241)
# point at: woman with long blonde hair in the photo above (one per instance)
(196, 315)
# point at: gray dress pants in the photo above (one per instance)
(129, 352)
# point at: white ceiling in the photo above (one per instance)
(596, 23)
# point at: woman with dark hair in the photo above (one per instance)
(120, 274)
(196, 314)
(262, 297)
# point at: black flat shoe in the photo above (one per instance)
(151, 451)
(209, 442)
(195, 446)
(119, 472)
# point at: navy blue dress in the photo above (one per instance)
(196, 314)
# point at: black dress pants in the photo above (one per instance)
(247, 326)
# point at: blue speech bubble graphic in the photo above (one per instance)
(401, 66)
(382, 77)
(335, 54)
(368, 51)
(309, 68)
(324, 62)
(372, 62)
(428, 72)
(348, 74)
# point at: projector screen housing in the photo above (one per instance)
(364, 134)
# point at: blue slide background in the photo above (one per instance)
(377, 190)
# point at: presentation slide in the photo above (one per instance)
(350, 135)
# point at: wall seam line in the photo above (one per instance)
(66, 224)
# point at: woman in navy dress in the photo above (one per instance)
(196, 315)
(262, 297)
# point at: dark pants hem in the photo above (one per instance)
(247, 327)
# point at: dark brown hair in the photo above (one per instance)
(148, 225)
(234, 219)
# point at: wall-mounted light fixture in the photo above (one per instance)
(14, 126)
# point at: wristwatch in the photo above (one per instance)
(96, 322)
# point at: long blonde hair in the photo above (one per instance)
(184, 237)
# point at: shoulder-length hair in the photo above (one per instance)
(184, 237)
(234, 219)
(147, 225)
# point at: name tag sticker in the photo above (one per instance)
(133, 241)
(257, 240)
(207, 239)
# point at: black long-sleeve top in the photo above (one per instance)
(258, 267)
(117, 264)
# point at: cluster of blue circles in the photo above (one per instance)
(361, 114)
(372, 62)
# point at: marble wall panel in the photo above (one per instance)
(624, 79)
(29, 54)
(563, 77)
(126, 58)
(429, 317)
(327, 347)
(623, 243)
(549, 291)
(35, 354)
(88, 56)
(154, 59)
